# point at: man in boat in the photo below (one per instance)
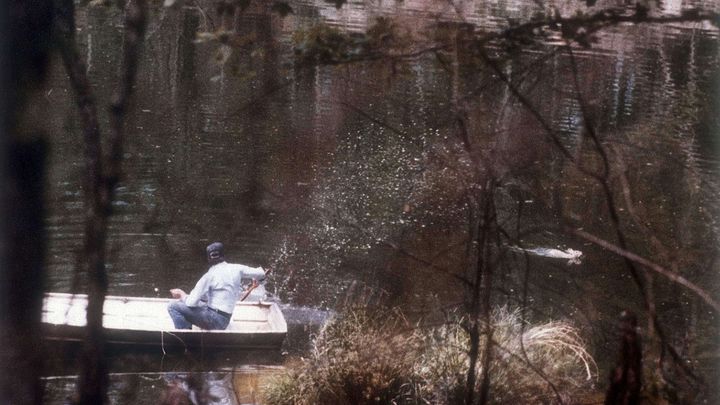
(210, 304)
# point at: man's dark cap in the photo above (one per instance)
(215, 251)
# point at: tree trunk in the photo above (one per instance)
(626, 376)
(26, 29)
(102, 174)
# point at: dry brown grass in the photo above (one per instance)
(361, 358)
(550, 363)
(356, 359)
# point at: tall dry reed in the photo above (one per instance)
(362, 358)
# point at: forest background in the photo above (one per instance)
(405, 153)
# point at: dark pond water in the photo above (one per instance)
(227, 387)
(305, 170)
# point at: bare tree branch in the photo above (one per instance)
(640, 276)
(93, 378)
(135, 24)
(578, 28)
(101, 176)
(635, 258)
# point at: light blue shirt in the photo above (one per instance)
(222, 285)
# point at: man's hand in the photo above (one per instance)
(267, 272)
(178, 293)
(250, 289)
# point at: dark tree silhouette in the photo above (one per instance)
(626, 376)
(26, 31)
(102, 173)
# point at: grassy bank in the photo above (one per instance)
(380, 358)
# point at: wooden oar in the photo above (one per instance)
(249, 290)
(254, 285)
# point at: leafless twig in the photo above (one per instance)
(670, 275)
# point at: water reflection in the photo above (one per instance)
(236, 386)
(147, 376)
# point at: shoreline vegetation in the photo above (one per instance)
(379, 357)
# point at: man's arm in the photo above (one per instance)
(255, 273)
(195, 295)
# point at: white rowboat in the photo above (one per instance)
(145, 321)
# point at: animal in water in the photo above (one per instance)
(572, 255)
